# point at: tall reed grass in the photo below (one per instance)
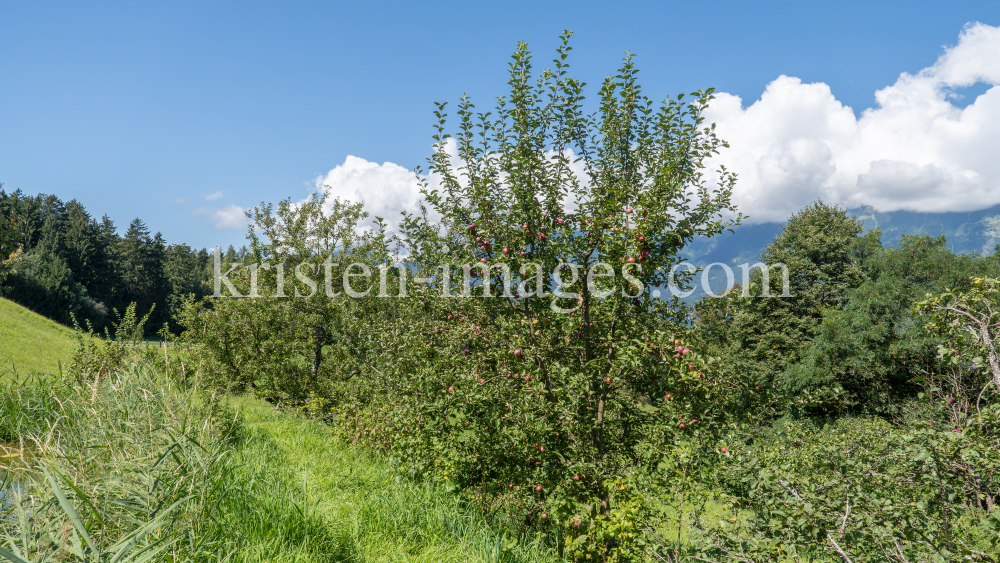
(128, 469)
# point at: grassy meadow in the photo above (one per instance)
(30, 342)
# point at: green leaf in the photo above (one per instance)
(68, 509)
(10, 556)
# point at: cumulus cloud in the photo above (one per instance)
(914, 150)
(228, 217)
(213, 197)
(386, 189)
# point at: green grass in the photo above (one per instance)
(304, 496)
(241, 482)
(30, 342)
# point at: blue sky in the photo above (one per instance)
(181, 112)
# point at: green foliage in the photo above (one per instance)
(9, 253)
(766, 335)
(44, 280)
(545, 399)
(875, 345)
(538, 398)
(95, 357)
(863, 490)
(280, 347)
(969, 322)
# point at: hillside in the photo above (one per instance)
(30, 342)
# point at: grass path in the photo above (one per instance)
(302, 496)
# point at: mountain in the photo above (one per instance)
(973, 232)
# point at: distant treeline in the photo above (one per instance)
(78, 266)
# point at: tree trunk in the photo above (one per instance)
(317, 358)
(984, 334)
(318, 340)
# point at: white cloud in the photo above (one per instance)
(915, 150)
(213, 197)
(385, 189)
(228, 217)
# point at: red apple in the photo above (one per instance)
(538, 489)
(723, 449)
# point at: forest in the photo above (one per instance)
(582, 420)
(76, 267)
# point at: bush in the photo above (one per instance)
(862, 489)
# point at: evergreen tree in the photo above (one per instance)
(81, 246)
(188, 272)
(139, 263)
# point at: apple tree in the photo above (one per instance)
(547, 366)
